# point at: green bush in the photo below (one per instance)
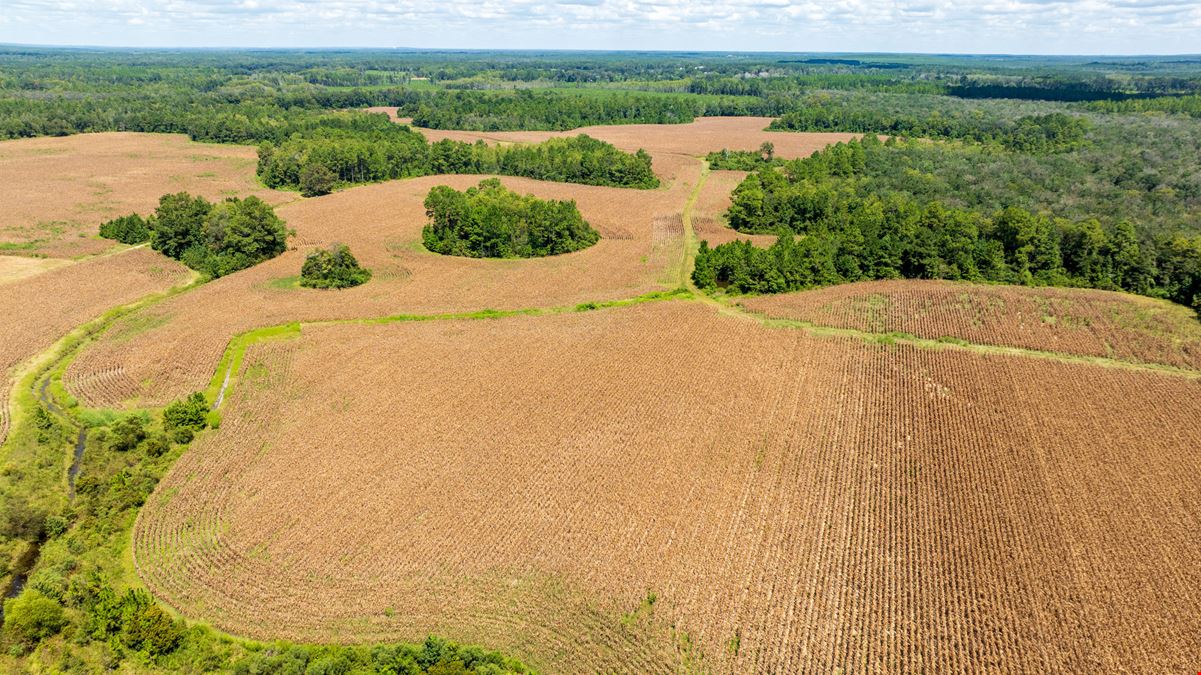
(186, 414)
(145, 627)
(157, 445)
(334, 267)
(32, 617)
(134, 621)
(126, 433)
(317, 180)
(490, 221)
(131, 229)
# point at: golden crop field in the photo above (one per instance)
(40, 308)
(1067, 320)
(640, 244)
(659, 487)
(96, 177)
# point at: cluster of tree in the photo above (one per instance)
(1036, 134)
(216, 239)
(318, 162)
(744, 160)
(131, 229)
(491, 221)
(333, 267)
(846, 237)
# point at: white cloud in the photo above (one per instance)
(1036, 26)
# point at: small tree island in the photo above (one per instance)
(491, 221)
(333, 267)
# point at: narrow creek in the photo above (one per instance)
(30, 558)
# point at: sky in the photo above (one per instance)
(927, 26)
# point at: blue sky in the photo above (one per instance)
(966, 26)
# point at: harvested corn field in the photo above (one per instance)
(97, 177)
(1071, 321)
(40, 309)
(576, 490)
(641, 243)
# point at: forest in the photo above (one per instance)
(836, 225)
(491, 221)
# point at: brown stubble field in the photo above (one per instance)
(639, 252)
(1067, 320)
(794, 503)
(39, 309)
(57, 191)
(640, 242)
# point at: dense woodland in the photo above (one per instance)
(491, 221)
(835, 225)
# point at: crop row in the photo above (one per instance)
(610, 490)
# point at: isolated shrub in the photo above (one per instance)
(32, 617)
(186, 414)
(131, 229)
(126, 433)
(334, 267)
(317, 180)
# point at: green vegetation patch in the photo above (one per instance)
(491, 221)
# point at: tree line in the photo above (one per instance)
(1036, 134)
(1144, 172)
(829, 233)
(1170, 105)
(491, 221)
(317, 162)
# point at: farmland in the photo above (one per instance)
(102, 176)
(382, 224)
(1069, 321)
(920, 404)
(41, 308)
(798, 504)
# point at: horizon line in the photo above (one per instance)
(536, 50)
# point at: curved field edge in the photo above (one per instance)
(1084, 322)
(238, 535)
(225, 376)
(39, 388)
(231, 361)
